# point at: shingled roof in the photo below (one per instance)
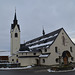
(43, 41)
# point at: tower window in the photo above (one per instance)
(16, 35)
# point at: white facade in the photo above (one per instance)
(51, 60)
(15, 40)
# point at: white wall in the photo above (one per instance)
(15, 42)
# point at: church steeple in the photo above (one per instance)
(15, 35)
(15, 19)
(15, 22)
(43, 32)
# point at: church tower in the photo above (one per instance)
(15, 36)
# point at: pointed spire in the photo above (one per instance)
(43, 32)
(15, 18)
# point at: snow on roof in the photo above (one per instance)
(44, 40)
(46, 55)
(41, 44)
(23, 51)
(4, 53)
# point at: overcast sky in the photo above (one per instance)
(32, 15)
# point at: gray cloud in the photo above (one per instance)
(32, 15)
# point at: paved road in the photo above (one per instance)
(23, 72)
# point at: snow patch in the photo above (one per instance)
(41, 44)
(43, 55)
(74, 69)
(50, 70)
(17, 68)
(23, 51)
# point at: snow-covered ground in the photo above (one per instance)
(49, 70)
(16, 68)
(22, 68)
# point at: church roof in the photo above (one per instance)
(23, 47)
(43, 41)
(13, 26)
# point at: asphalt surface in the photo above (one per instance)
(37, 72)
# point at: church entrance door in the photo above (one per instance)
(66, 55)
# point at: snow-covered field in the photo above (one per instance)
(18, 68)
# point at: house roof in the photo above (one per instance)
(4, 53)
(43, 41)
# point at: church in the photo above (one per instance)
(49, 49)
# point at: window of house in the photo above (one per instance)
(16, 35)
(12, 59)
(34, 53)
(71, 49)
(56, 49)
(45, 50)
(26, 53)
(57, 60)
(43, 60)
(22, 53)
(16, 55)
(72, 58)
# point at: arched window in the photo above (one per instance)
(16, 35)
(45, 50)
(57, 60)
(71, 49)
(56, 49)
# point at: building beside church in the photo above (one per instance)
(4, 56)
(49, 49)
